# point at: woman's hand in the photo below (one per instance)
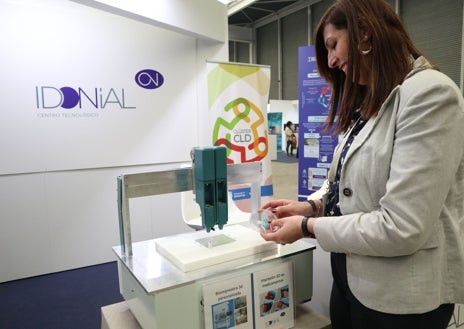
(285, 208)
(284, 230)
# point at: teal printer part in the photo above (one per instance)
(210, 181)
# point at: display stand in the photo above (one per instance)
(161, 284)
(157, 291)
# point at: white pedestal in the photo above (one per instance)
(156, 290)
(118, 316)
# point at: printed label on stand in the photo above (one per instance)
(229, 303)
(273, 297)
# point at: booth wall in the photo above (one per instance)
(60, 162)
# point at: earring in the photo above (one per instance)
(365, 52)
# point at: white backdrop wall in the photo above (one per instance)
(99, 54)
(186, 17)
(60, 162)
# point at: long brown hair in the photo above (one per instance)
(392, 50)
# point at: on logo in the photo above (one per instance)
(149, 79)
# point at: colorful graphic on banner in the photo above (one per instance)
(275, 127)
(238, 95)
(316, 146)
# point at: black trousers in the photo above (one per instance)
(346, 312)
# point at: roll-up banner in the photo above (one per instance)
(237, 101)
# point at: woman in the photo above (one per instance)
(288, 137)
(393, 217)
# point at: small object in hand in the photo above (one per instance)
(263, 220)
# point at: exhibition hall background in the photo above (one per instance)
(435, 26)
(58, 171)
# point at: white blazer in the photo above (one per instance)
(402, 199)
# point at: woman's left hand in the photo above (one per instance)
(284, 230)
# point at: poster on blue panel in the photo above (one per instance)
(317, 145)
